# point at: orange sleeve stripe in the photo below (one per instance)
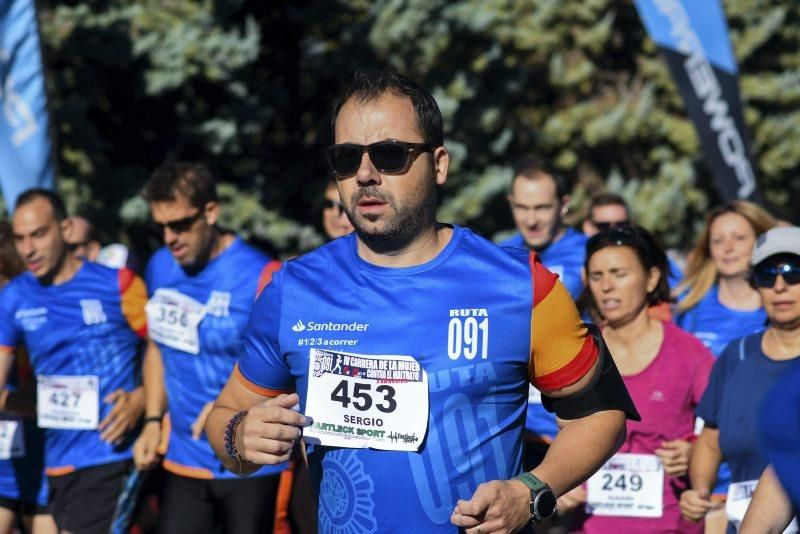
(281, 524)
(59, 471)
(557, 332)
(186, 471)
(133, 299)
(254, 387)
(561, 349)
(572, 372)
(543, 280)
(6, 348)
(266, 275)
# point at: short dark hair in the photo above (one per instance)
(607, 199)
(59, 209)
(648, 250)
(11, 264)
(531, 167)
(371, 84)
(192, 180)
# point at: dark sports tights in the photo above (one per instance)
(241, 506)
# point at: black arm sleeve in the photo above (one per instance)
(607, 391)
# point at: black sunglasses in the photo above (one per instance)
(390, 156)
(765, 276)
(179, 226)
(605, 226)
(333, 204)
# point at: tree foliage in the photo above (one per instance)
(247, 87)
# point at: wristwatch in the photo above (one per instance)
(543, 500)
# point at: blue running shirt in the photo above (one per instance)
(225, 291)
(716, 325)
(467, 318)
(22, 476)
(89, 326)
(740, 380)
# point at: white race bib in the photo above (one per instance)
(628, 485)
(360, 401)
(12, 438)
(173, 320)
(739, 496)
(68, 402)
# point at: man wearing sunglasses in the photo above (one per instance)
(202, 285)
(81, 324)
(334, 219)
(407, 349)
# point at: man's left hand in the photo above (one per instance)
(128, 408)
(497, 506)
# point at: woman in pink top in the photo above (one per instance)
(666, 371)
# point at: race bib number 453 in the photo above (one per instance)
(628, 485)
(68, 402)
(360, 401)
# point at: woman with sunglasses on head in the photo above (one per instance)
(741, 378)
(665, 370)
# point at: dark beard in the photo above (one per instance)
(407, 225)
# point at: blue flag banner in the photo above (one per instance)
(693, 37)
(24, 137)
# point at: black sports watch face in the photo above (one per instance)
(543, 504)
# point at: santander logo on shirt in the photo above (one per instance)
(313, 326)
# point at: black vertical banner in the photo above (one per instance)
(693, 36)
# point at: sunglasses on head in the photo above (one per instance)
(765, 276)
(333, 204)
(179, 226)
(389, 157)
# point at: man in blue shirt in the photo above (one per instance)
(411, 346)
(538, 199)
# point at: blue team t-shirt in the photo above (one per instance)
(226, 289)
(716, 325)
(564, 257)
(780, 430)
(22, 476)
(91, 325)
(739, 382)
(331, 299)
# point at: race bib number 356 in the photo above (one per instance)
(68, 402)
(628, 485)
(360, 401)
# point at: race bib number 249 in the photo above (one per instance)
(360, 401)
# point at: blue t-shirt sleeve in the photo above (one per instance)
(9, 331)
(263, 364)
(710, 403)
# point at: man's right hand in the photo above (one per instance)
(145, 450)
(695, 504)
(270, 430)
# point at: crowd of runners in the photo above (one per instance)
(409, 374)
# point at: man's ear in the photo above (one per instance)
(212, 212)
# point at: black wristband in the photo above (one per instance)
(153, 419)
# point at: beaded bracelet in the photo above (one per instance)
(230, 438)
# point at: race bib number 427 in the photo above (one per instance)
(360, 401)
(68, 402)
